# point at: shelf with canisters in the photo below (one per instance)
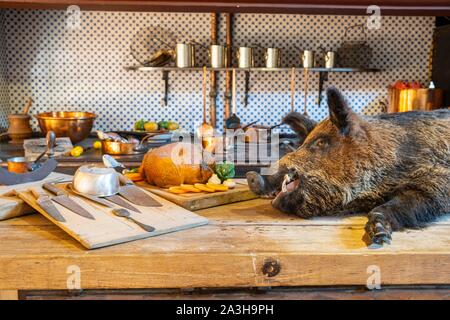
(323, 73)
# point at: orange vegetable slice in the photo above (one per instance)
(190, 188)
(217, 187)
(177, 190)
(203, 187)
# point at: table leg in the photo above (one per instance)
(9, 294)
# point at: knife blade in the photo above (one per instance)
(43, 200)
(134, 194)
(120, 202)
(95, 199)
(63, 199)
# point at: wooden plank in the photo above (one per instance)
(356, 7)
(108, 229)
(202, 200)
(293, 293)
(11, 206)
(9, 295)
(224, 256)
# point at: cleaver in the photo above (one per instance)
(134, 194)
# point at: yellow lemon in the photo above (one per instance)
(77, 151)
(97, 144)
(150, 126)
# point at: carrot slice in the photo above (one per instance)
(203, 187)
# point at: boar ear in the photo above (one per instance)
(341, 115)
(300, 124)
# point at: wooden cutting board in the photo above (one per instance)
(202, 200)
(11, 206)
(108, 229)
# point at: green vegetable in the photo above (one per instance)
(134, 170)
(163, 124)
(225, 170)
(139, 125)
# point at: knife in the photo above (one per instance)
(120, 202)
(129, 190)
(134, 194)
(105, 200)
(63, 199)
(95, 199)
(43, 200)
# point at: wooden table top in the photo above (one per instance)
(229, 252)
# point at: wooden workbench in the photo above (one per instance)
(229, 253)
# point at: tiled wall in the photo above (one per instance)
(82, 69)
(4, 98)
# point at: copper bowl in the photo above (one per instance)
(73, 124)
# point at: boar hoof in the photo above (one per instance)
(256, 182)
(378, 233)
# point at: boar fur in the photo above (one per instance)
(395, 167)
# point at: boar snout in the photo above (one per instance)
(257, 183)
(266, 186)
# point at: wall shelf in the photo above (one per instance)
(257, 69)
(323, 74)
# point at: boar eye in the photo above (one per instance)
(320, 143)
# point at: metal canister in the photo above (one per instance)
(185, 55)
(330, 59)
(272, 57)
(245, 57)
(218, 56)
(307, 59)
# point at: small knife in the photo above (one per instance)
(63, 199)
(43, 200)
(134, 194)
(120, 202)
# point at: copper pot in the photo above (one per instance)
(401, 100)
(117, 148)
(73, 124)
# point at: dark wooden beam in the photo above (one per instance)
(352, 7)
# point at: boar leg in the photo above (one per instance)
(410, 209)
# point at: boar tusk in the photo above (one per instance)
(286, 180)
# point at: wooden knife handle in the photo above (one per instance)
(124, 180)
(37, 192)
(53, 189)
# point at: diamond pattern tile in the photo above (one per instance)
(82, 69)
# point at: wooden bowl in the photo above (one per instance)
(73, 124)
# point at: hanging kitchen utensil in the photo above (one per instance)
(205, 132)
(356, 53)
(306, 79)
(233, 122)
(153, 46)
(292, 89)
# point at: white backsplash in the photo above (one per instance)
(84, 69)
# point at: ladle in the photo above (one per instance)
(233, 122)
